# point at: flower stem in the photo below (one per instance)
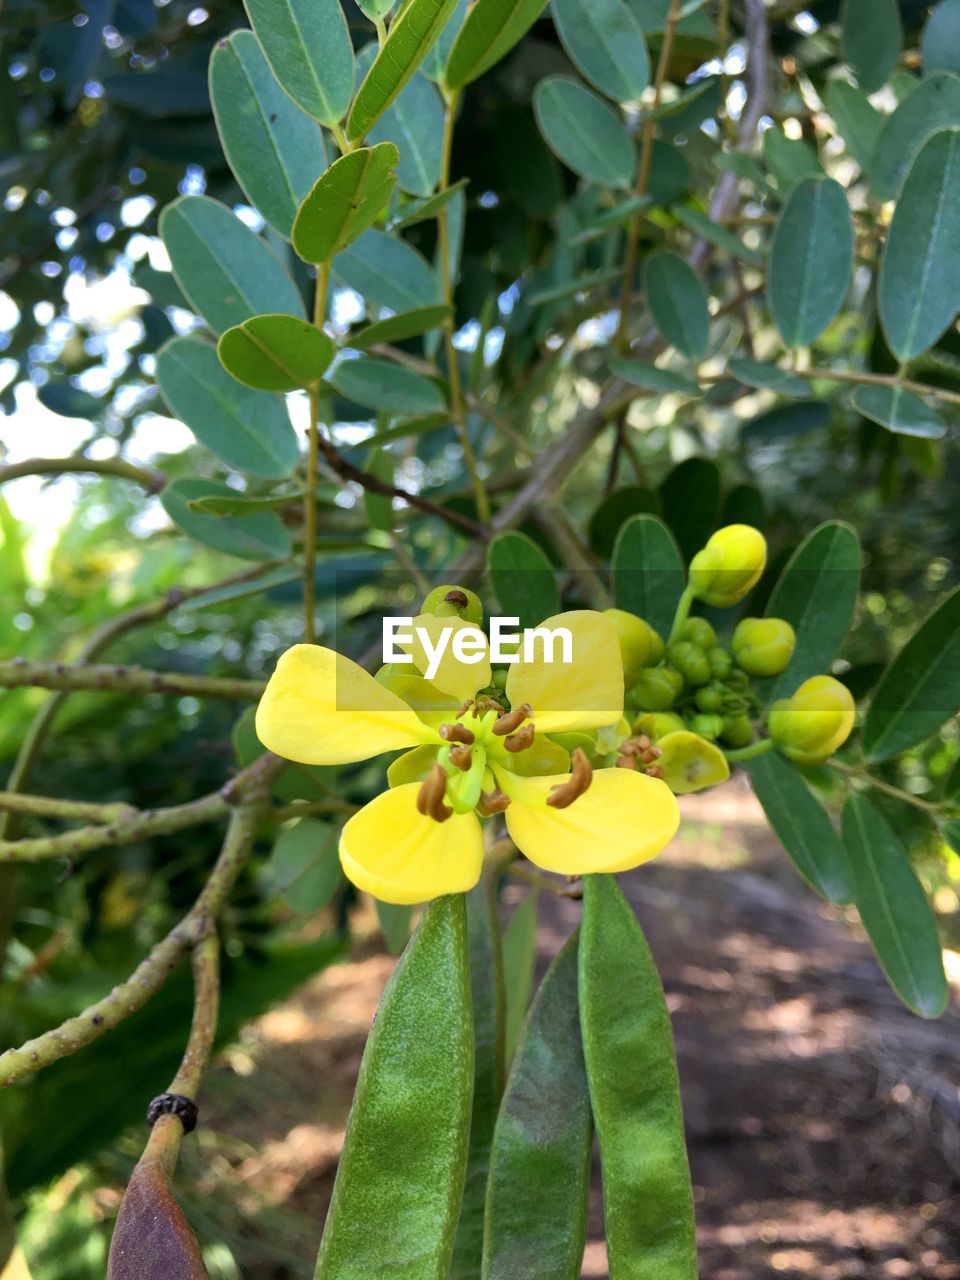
(755, 749)
(683, 612)
(313, 450)
(861, 775)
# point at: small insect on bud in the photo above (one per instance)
(452, 601)
(152, 1239)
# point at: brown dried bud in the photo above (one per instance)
(152, 1239)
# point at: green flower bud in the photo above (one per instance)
(710, 698)
(721, 664)
(729, 565)
(691, 662)
(637, 642)
(657, 724)
(690, 763)
(699, 632)
(454, 602)
(709, 727)
(809, 727)
(738, 680)
(657, 688)
(764, 646)
(737, 731)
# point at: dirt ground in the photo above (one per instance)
(823, 1119)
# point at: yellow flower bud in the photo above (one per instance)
(764, 646)
(450, 601)
(657, 724)
(810, 726)
(638, 643)
(690, 763)
(729, 565)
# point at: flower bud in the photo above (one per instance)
(637, 641)
(657, 688)
(729, 565)
(721, 664)
(691, 662)
(810, 726)
(707, 726)
(657, 724)
(454, 602)
(699, 632)
(710, 698)
(764, 646)
(737, 730)
(690, 763)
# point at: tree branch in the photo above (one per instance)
(18, 673)
(152, 481)
(54, 807)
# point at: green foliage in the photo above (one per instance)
(523, 579)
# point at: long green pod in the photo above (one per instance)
(486, 981)
(397, 1195)
(635, 1094)
(536, 1220)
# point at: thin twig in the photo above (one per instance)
(18, 673)
(152, 481)
(68, 810)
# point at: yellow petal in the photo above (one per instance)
(321, 708)
(426, 699)
(586, 693)
(691, 763)
(392, 851)
(459, 678)
(622, 819)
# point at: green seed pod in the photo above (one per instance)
(657, 688)
(721, 663)
(699, 632)
(710, 698)
(707, 726)
(540, 1163)
(637, 642)
(152, 1239)
(737, 731)
(691, 662)
(764, 646)
(454, 602)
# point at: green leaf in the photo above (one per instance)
(225, 270)
(397, 1194)
(308, 46)
(634, 1093)
(871, 36)
(390, 388)
(257, 537)
(894, 909)
(652, 378)
(932, 106)
(678, 303)
(743, 505)
(584, 132)
(898, 410)
(811, 259)
(436, 59)
(519, 959)
(790, 160)
(415, 211)
(605, 42)
(274, 150)
(345, 201)
(276, 353)
(786, 421)
(703, 225)
(379, 506)
(768, 377)
(858, 121)
(670, 174)
(940, 42)
(950, 831)
(918, 294)
(69, 401)
(648, 574)
(415, 123)
(486, 982)
(241, 504)
(613, 512)
(394, 925)
(491, 29)
(411, 36)
(304, 866)
(920, 690)
(245, 429)
(408, 324)
(817, 594)
(387, 272)
(540, 1165)
(802, 826)
(414, 426)
(690, 500)
(523, 579)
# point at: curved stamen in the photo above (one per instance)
(512, 720)
(581, 775)
(430, 797)
(457, 733)
(522, 739)
(460, 757)
(492, 802)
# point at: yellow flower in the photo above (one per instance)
(467, 758)
(815, 722)
(729, 565)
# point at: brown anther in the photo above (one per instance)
(457, 733)
(492, 802)
(626, 762)
(655, 771)
(464, 708)
(485, 703)
(640, 748)
(512, 720)
(430, 797)
(581, 775)
(459, 598)
(522, 739)
(460, 757)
